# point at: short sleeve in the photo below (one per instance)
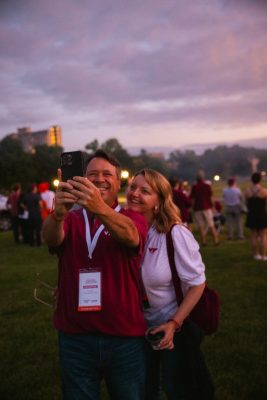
(188, 260)
(141, 225)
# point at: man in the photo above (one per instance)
(181, 200)
(12, 205)
(99, 313)
(233, 201)
(202, 203)
(31, 203)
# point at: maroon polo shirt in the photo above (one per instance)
(201, 194)
(183, 202)
(121, 312)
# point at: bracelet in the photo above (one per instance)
(53, 215)
(178, 326)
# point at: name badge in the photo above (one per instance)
(89, 291)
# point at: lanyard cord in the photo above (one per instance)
(91, 244)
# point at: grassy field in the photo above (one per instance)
(236, 355)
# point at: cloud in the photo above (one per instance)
(133, 63)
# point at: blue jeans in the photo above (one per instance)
(87, 359)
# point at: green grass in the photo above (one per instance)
(236, 355)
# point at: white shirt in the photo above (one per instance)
(156, 271)
(232, 196)
(48, 196)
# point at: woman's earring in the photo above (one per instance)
(156, 208)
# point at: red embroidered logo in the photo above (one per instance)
(152, 249)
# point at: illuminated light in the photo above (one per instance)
(217, 178)
(55, 182)
(124, 174)
(122, 199)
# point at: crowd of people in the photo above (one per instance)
(199, 210)
(233, 211)
(28, 210)
(115, 281)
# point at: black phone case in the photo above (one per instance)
(72, 164)
(155, 336)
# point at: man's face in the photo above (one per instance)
(104, 176)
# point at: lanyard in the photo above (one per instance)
(91, 244)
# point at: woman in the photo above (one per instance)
(31, 203)
(256, 198)
(150, 194)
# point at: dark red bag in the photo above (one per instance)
(207, 311)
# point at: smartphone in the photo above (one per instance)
(72, 164)
(154, 337)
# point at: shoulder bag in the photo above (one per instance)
(207, 311)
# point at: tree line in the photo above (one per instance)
(18, 166)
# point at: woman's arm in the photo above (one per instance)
(176, 321)
(191, 271)
(190, 300)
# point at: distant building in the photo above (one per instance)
(29, 139)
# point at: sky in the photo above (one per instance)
(147, 72)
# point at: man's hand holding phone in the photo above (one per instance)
(64, 198)
(74, 188)
(71, 163)
(87, 194)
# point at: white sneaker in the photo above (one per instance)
(258, 257)
(264, 258)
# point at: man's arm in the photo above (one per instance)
(119, 226)
(52, 231)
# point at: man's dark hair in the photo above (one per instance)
(174, 181)
(108, 157)
(231, 181)
(256, 177)
(200, 175)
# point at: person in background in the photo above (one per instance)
(31, 204)
(233, 201)
(184, 372)
(181, 200)
(98, 316)
(218, 217)
(12, 204)
(23, 216)
(256, 198)
(47, 197)
(202, 203)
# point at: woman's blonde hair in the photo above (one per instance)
(168, 213)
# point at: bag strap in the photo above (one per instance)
(175, 277)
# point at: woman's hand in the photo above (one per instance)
(166, 342)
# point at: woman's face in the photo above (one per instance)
(142, 198)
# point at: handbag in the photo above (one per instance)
(206, 312)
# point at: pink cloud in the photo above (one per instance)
(108, 57)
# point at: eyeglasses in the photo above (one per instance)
(49, 291)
